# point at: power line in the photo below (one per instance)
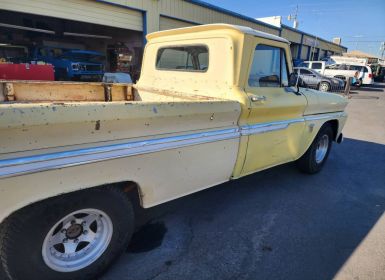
(364, 41)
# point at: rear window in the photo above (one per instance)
(316, 65)
(183, 58)
(304, 64)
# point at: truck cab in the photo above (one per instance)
(72, 64)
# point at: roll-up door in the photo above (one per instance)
(79, 10)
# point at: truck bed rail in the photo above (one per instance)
(48, 91)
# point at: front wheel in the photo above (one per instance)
(315, 157)
(73, 236)
(324, 86)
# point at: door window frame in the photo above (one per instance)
(283, 53)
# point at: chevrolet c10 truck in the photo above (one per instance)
(213, 103)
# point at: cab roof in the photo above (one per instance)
(216, 26)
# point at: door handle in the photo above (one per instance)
(258, 98)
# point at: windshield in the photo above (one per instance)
(83, 57)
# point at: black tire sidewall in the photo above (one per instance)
(324, 130)
(24, 256)
(307, 163)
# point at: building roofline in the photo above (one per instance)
(217, 26)
(228, 12)
(231, 13)
(311, 35)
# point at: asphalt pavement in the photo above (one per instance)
(279, 223)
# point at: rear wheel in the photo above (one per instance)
(315, 157)
(73, 236)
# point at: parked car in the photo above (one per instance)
(341, 71)
(328, 70)
(73, 173)
(366, 74)
(72, 64)
(315, 80)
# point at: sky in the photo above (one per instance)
(360, 24)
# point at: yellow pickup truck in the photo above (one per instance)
(213, 103)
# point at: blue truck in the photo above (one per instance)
(72, 64)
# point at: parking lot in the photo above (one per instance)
(278, 224)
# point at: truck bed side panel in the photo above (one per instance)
(181, 147)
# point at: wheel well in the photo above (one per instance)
(132, 190)
(334, 126)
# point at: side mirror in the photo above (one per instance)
(293, 79)
(296, 81)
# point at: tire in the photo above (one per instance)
(25, 250)
(313, 160)
(324, 86)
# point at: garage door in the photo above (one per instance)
(80, 10)
(169, 23)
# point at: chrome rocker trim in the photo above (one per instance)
(50, 161)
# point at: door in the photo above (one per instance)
(275, 123)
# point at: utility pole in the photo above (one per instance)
(382, 49)
(294, 17)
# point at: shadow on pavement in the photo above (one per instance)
(276, 224)
(377, 87)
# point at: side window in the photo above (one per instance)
(316, 65)
(187, 58)
(306, 72)
(269, 67)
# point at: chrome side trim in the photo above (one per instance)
(25, 165)
(280, 125)
(43, 162)
(323, 116)
(267, 127)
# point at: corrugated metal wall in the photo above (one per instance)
(202, 15)
(79, 10)
(169, 23)
(304, 52)
(291, 35)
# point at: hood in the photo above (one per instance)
(323, 102)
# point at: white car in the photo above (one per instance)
(366, 75)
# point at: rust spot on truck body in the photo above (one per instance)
(97, 125)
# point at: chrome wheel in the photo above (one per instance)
(322, 148)
(324, 87)
(77, 240)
